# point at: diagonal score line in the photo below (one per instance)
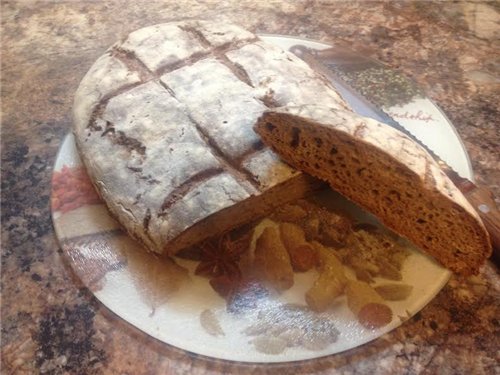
(134, 63)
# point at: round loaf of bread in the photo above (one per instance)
(387, 173)
(164, 124)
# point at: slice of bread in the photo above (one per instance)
(385, 172)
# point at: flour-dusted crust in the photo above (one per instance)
(384, 171)
(163, 122)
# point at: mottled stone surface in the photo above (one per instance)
(52, 324)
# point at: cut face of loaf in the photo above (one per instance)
(384, 171)
(164, 125)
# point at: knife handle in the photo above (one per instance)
(482, 200)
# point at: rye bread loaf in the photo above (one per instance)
(384, 171)
(164, 125)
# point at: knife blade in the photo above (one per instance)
(480, 197)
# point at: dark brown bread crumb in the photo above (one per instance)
(349, 160)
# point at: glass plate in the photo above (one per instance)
(166, 300)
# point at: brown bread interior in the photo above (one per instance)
(383, 185)
(246, 211)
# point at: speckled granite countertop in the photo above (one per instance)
(52, 324)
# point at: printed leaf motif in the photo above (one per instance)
(156, 278)
(210, 323)
(394, 292)
(72, 188)
(270, 345)
(289, 325)
(93, 257)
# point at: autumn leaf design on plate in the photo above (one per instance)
(156, 278)
(93, 256)
(278, 327)
(210, 323)
(71, 189)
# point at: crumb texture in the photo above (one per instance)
(385, 172)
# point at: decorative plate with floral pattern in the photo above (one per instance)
(211, 302)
